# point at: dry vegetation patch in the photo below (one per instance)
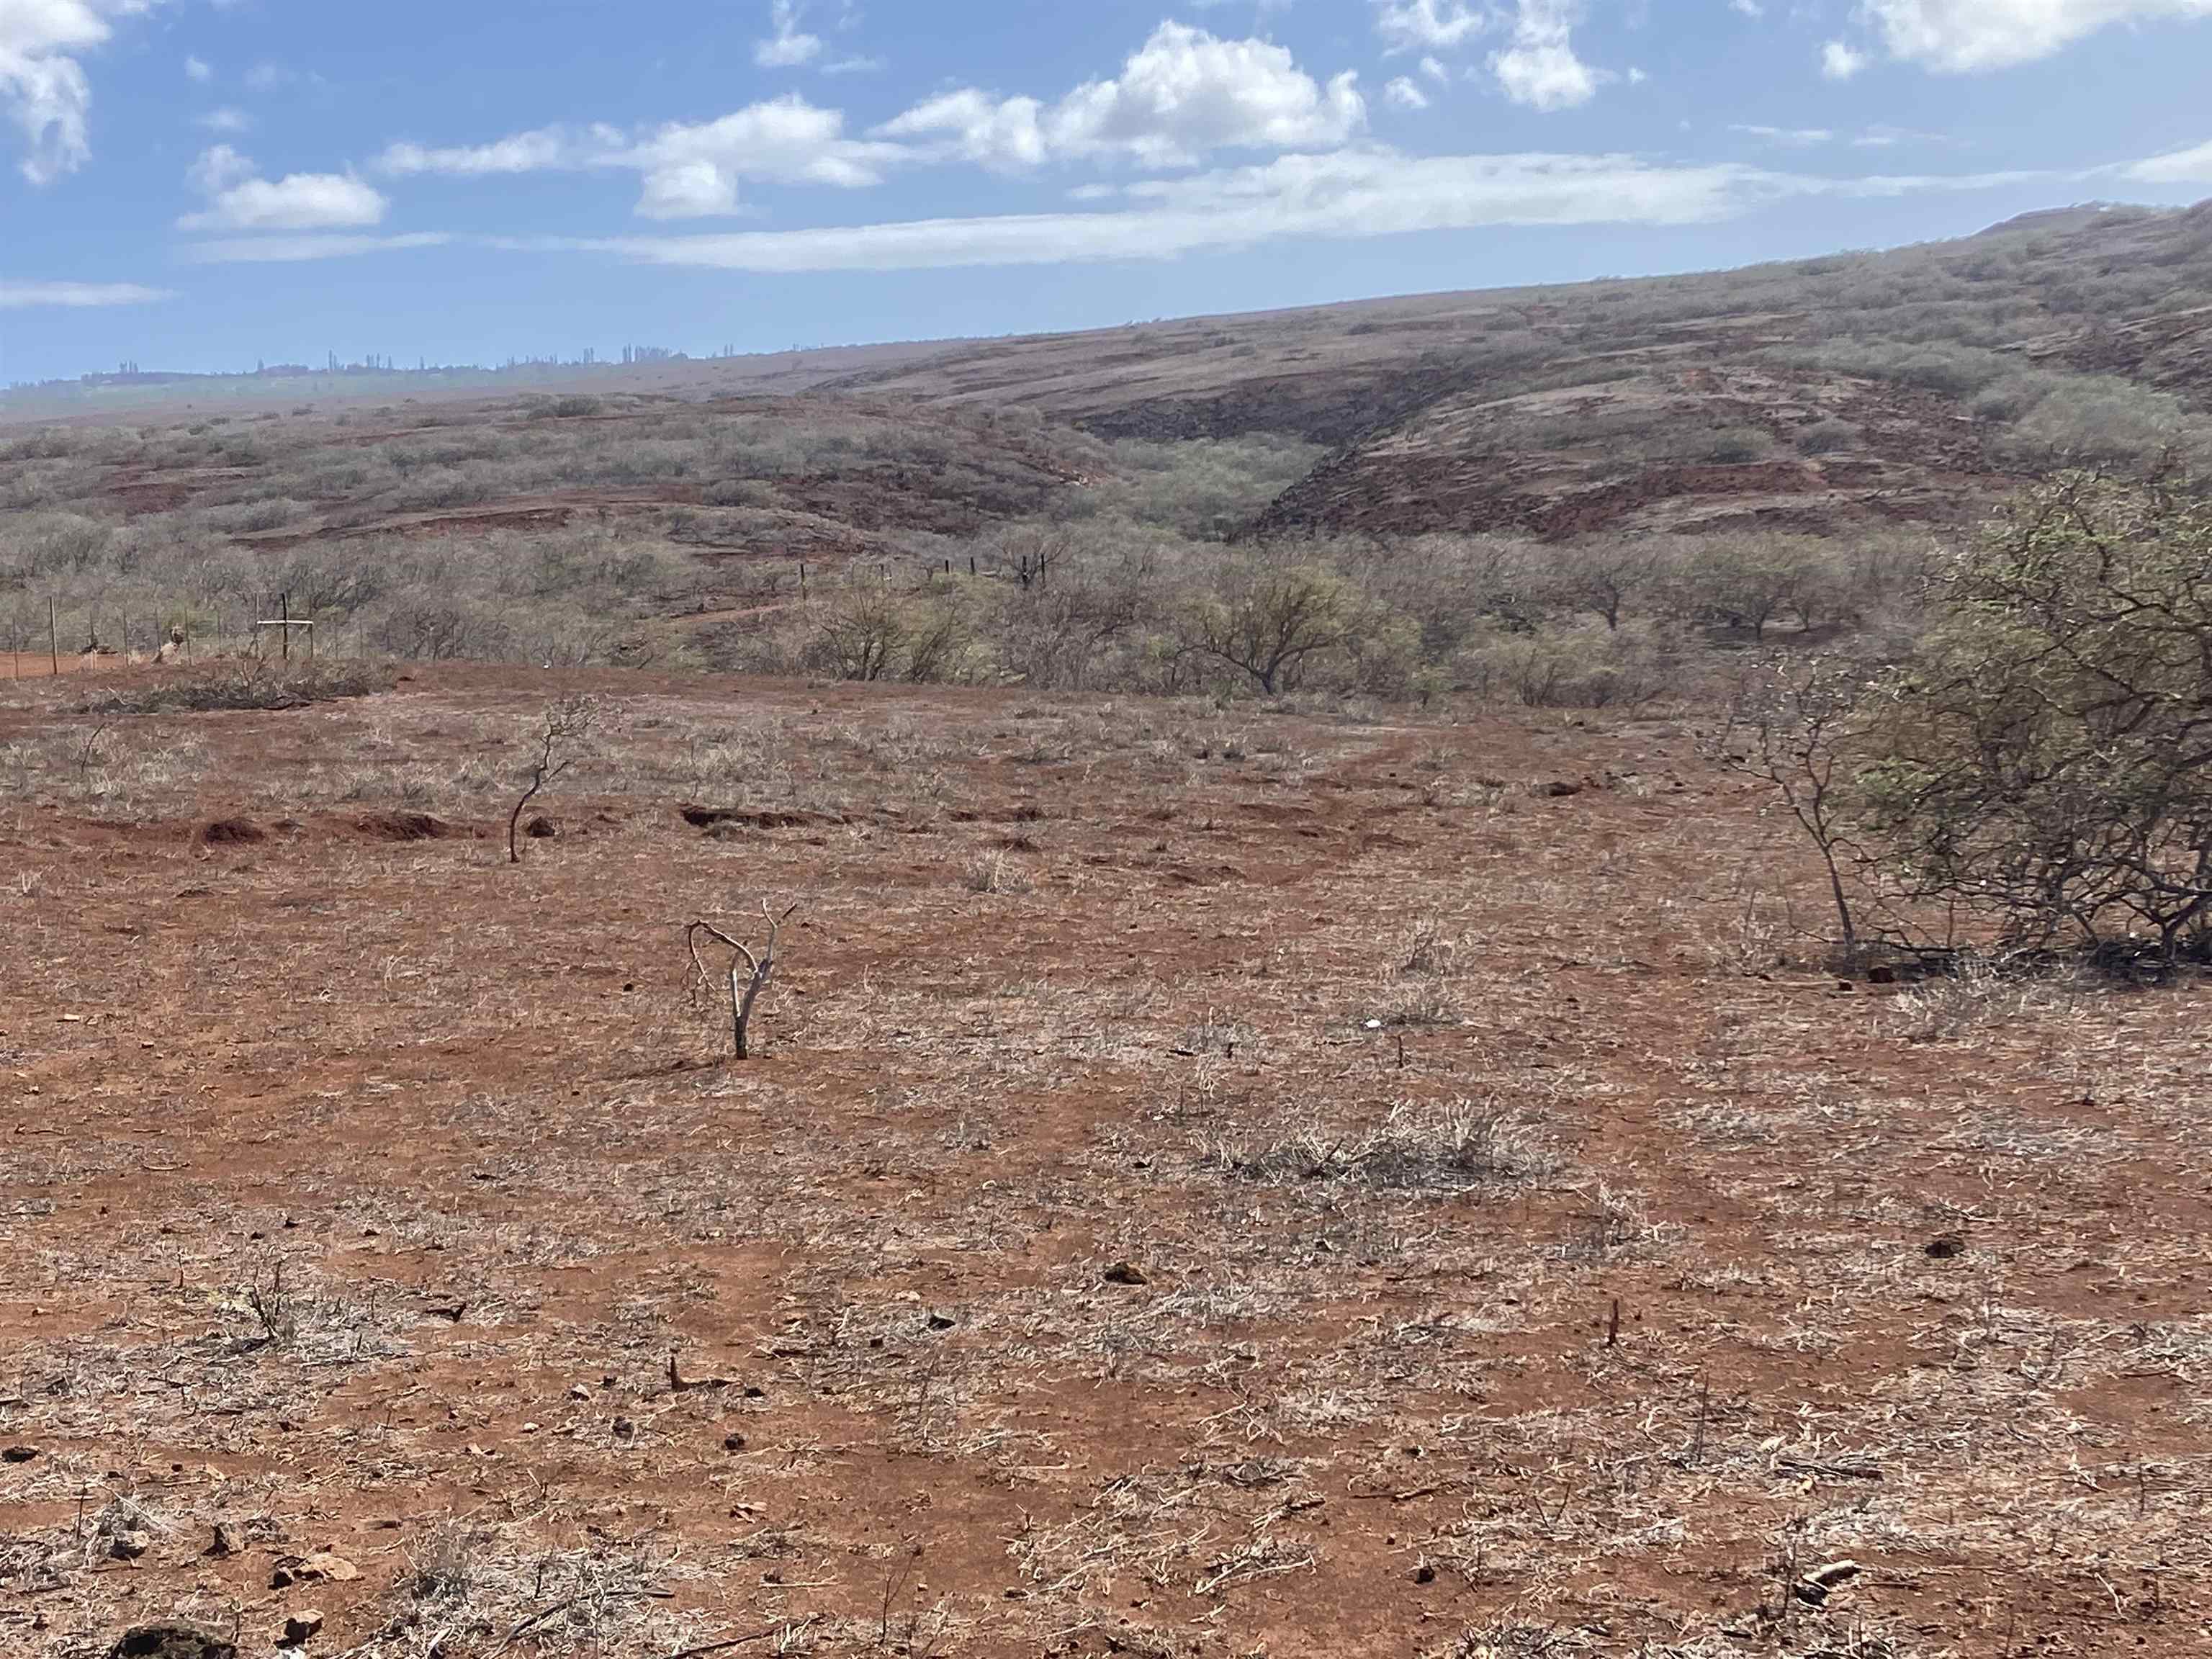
(1203, 1188)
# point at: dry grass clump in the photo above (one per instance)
(996, 871)
(491, 1590)
(1457, 1146)
(243, 684)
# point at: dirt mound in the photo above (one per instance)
(232, 832)
(407, 826)
(713, 819)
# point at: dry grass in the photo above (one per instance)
(1078, 1271)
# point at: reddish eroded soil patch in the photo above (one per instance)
(1214, 1183)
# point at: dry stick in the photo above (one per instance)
(743, 991)
(733, 1642)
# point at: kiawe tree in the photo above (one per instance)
(2047, 756)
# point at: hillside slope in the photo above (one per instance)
(1820, 394)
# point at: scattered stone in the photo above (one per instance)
(1424, 1574)
(1946, 1247)
(301, 1627)
(579, 1392)
(733, 1443)
(1125, 1272)
(320, 1568)
(18, 1455)
(1881, 973)
(541, 830)
(172, 1641)
(226, 1541)
(1813, 1588)
(939, 1321)
(128, 1546)
(624, 1429)
(1560, 789)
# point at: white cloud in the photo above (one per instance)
(1540, 67)
(1405, 94)
(974, 126)
(1349, 194)
(23, 296)
(226, 120)
(238, 198)
(687, 171)
(295, 250)
(1795, 136)
(695, 171)
(198, 70)
(789, 47)
(1428, 24)
(1183, 94)
(2182, 166)
(1959, 37)
(1840, 61)
(524, 152)
(44, 90)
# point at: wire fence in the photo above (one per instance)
(41, 639)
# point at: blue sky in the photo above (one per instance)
(200, 184)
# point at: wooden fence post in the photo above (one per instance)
(54, 637)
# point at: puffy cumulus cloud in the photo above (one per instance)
(974, 126)
(1428, 24)
(1961, 37)
(24, 296)
(1182, 94)
(1840, 61)
(43, 90)
(695, 171)
(1540, 67)
(238, 198)
(788, 46)
(1406, 94)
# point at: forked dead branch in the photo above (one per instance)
(749, 972)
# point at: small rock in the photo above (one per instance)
(300, 1628)
(1881, 973)
(226, 1541)
(541, 830)
(1560, 789)
(320, 1568)
(939, 1321)
(624, 1429)
(579, 1392)
(733, 1443)
(1424, 1574)
(172, 1641)
(18, 1455)
(1125, 1272)
(128, 1546)
(1947, 1247)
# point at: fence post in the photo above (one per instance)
(54, 636)
(284, 612)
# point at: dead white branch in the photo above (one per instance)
(749, 972)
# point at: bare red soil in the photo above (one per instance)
(1213, 1184)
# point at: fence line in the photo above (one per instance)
(48, 637)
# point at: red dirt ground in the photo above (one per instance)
(1530, 1251)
